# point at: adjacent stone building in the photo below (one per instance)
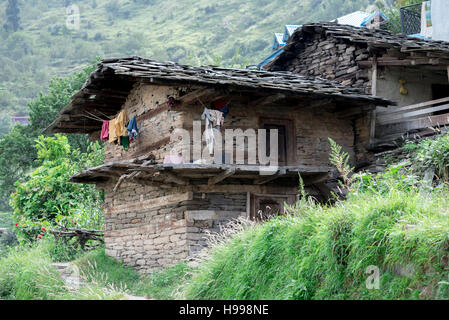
(409, 71)
(165, 193)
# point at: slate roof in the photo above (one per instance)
(374, 38)
(108, 87)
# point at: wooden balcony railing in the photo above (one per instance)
(413, 119)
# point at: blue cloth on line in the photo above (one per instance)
(133, 130)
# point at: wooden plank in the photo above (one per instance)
(171, 177)
(197, 94)
(414, 106)
(214, 180)
(268, 100)
(393, 118)
(373, 93)
(405, 126)
(266, 179)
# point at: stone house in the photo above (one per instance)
(158, 211)
(409, 71)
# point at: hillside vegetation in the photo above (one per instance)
(388, 240)
(198, 32)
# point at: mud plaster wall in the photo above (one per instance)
(417, 82)
(312, 127)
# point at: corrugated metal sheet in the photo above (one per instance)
(354, 19)
(278, 41)
(288, 31)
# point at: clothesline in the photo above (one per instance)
(120, 130)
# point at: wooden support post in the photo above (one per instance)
(214, 180)
(373, 93)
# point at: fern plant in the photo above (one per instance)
(340, 159)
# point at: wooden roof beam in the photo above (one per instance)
(220, 177)
(171, 177)
(266, 179)
(269, 99)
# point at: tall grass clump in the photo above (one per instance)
(27, 274)
(97, 268)
(322, 251)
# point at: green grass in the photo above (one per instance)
(101, 269)
(323, 252)
(27, 274)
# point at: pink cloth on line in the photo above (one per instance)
(105, 131)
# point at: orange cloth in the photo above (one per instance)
(112, 132)
(117, 127)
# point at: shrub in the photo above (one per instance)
(48, 199)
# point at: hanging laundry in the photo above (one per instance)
(104, 136)
(120, 123)
(113, 136)
(212, 118)
(133, 130)
(210, 137)
(124, 141)
(117, 127)
(221, 105)
(217, 118)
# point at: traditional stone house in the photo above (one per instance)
(410, 71)
(156, 212)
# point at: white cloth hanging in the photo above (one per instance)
(210, 137)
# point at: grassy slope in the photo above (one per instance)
(104, 271)
(324, 253)
(27, 274)
(175, 30)
(390, 221)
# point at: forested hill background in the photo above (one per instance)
(233, 32)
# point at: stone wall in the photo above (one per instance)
(155, 131)
(311, 126)
(332, 59)
(150, 228)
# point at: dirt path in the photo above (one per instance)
(73, 282)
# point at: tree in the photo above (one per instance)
(12, 16)
(47, 199)
(18, 153)
(401, 3)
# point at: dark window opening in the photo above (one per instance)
(282, 141)
(286, 138)
(440, 91)
(266, 207)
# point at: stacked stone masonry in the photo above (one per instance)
(332, 59)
